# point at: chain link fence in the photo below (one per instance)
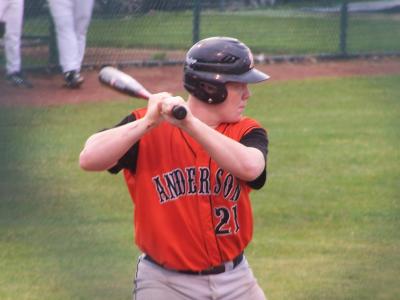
(153, 32)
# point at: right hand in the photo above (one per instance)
(166, 110)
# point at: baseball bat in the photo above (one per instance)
(128, 85)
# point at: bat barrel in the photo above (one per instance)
(127, 85)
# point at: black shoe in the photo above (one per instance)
(18, 79)
(73, 79)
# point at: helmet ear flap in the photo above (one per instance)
(210, 91)
(215, 91)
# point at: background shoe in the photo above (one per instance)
(73, 79)
(18, 79)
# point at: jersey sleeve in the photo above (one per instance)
(257, 138)
(128, 160)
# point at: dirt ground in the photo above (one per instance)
(48, 88)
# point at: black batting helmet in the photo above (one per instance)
(213, 62)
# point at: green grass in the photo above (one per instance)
(378, 29)
(272, 31)
(326, 225)
(174, 31)
(269, 31)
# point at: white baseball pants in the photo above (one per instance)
(11, 12)
(71, 20)
(154, 282)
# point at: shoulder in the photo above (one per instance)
(243, 127)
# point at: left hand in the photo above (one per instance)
(166, 110)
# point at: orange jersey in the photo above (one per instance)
(189, 213)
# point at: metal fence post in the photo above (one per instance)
(221, 5)
(343, 28)
(196, 21)
(53, 49)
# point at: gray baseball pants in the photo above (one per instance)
(153, 282)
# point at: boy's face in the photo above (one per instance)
(232, 108)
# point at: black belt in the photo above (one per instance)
(211, 271)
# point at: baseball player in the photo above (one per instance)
(190, 179)
(71, 19)
(11, 19)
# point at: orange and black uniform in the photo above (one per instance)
(189, 213)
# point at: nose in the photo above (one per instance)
(246, 93)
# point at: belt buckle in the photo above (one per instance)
(205, 272)
(230, 265)
(213, 270)
(225, 267)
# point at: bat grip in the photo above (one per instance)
(179, 112)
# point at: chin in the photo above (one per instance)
(234, 119)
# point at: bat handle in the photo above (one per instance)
(179, 112)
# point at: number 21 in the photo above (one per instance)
(224, 214)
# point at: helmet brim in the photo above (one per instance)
(251, 76)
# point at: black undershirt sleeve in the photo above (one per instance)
(128, 160)
(257, 138)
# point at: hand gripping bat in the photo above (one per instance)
(126, 84)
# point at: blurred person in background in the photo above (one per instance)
(71, 19)
(11, 20)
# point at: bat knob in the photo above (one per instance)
(179, 112)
